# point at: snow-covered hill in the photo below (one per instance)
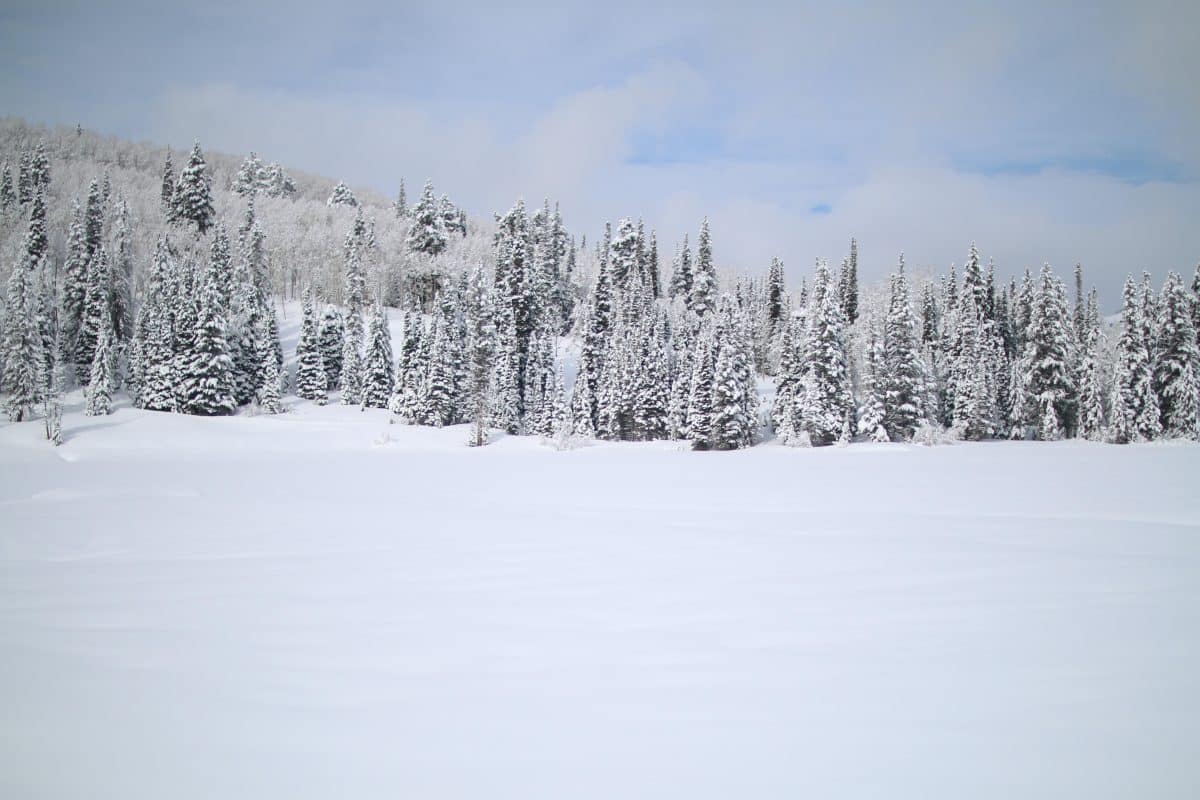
(321, 604)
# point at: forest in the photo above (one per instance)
(160, 275)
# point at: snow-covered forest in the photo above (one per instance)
(161, 275)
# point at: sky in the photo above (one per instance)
(1045, 132)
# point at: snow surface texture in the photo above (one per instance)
(321, 604)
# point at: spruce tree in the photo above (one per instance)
(681, 273)
(902, 368)
(401, 204)
(167, 192)
(97, 313)
(1177, 366)
(8, 192)
(479, 347)
(730, 427)
(310, 369)
(1091, 384)
(1048, 357)
(827, 397)
(437, 396)
(192, 202)
(427, 234)
(342, 196)
(102, 380)
(252, 177)
(121, 297)
(209, 378)
(700, 403)
(1134, 407)
(871, 412)
(377, 363)
(269, 400)
(704, 281)
(23, 357)
(331, 339)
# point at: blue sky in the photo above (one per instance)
(1061, 134)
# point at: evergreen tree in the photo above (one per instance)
(730, 426)
(827, 397)
(269, 400)
(102, 381)
(331, 340)
(1134, 408)
(23, 358)
(39, 169)
(209, 378)
(342, 196)
(438, 393)
(352, 376)
(1091, 383)
(97, 313)
(377, 365)
(252, 177)
(410, 371)
(704, 281)
(167, 193)
(479, 347)
(1177, 366)
(310, 369)
(681, 273)
(700, 404)
(121, 296)
(1048, 357)
(36, 243)
(192, 201)
(401, 204)
(871, 412)
(8, 191)
(427, 233)
(902, 368)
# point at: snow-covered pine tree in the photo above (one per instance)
(377, 364)
(166, 195)
(409, 377)
(681, 273)
(251, 177)
(209, 378)
(342, 196)
(427, 233)
(438, 394)
(8, 191)
(1091, 383)
(97, 313)
(122, 276)
(331, 340)
(23, 356)
(1177, 366)
(827, 397)
(850, 286)
(704, 281)
(871, 411)
(400, 206)
(103, 378)
(192, 202)
(1134, 408)
(39, 167)
(278, 182)
(700, 403)
(269, 399)
(310, 370)
(1048, 358)
(480, 343)
(902, 371)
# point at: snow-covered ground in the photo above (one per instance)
(323, 605)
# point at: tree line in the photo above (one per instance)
(193, 328)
